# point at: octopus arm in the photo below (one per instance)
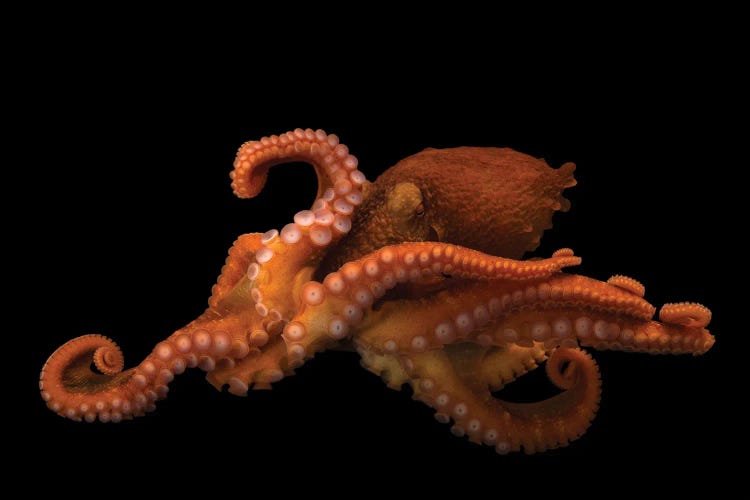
(284, 257)
(532, 427)
(386, 366)
(564, 310)
(240, 317)
(258, 370)
(487, 366)
(495, 366)
(457, 381)
(74, 390)
(333, 164)
(503, 309)
(329, 310)
(241, 255)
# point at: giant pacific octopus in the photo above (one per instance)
(417, 272)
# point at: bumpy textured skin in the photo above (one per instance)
(420, 307)
(506, 197)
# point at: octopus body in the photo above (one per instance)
(390, 269)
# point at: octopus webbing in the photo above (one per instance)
(389, 268)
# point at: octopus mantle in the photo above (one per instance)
(388, 268)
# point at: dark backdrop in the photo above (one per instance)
(137, 216)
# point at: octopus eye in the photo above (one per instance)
(419, 211)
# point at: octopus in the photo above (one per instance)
(419, 272)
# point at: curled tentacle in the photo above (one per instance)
(457, 396)
(109, 359)
(300, 242)
(73, 390)
(689, 314)
(457, 382)
(335, 167)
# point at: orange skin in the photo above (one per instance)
(452, 322)
(435, 195)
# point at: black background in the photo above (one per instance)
(137, 216)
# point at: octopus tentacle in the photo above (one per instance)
(70, 388)
(686, 313)
(335, 167)
(510, 426)
(258, 370)
(628, 284)
(521, 303)
(73, 390)
(495, 366)
(237, 305)
(109, 359)
(301, 243)
(563, 310)
(330, 309)
(241, 255)
(481, 366)
(386, 366)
